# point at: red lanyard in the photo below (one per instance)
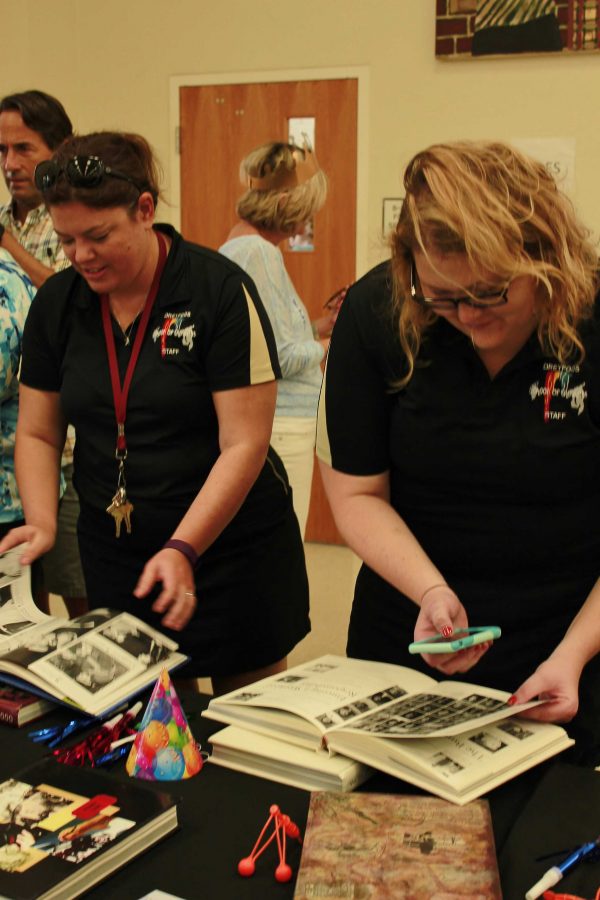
(120, 393)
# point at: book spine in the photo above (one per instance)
(355, 777)
(9, 716)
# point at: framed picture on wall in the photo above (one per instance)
(471, 29)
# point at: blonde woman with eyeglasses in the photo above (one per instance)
(459, 434)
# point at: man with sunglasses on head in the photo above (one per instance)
(32, 125)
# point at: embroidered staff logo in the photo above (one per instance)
(175, 334)
(559, 393)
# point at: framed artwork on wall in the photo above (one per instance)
(470, 29)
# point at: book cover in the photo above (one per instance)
(256, 754)
(17, 708)
(93, 662)
(382, 845)
(64, 828)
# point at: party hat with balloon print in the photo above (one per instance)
(164, 749)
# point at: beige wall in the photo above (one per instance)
(413, 100)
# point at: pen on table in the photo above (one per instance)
(554, 875)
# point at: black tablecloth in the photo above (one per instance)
(221, 813)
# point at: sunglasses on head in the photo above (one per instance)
(79, 171)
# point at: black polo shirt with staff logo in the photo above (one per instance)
(498, 479)
(208, 332)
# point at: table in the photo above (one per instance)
(221, 813)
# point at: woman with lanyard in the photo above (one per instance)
(161, 355)
(459, 434)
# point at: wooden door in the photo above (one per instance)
(220, 124)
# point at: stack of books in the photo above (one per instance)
(326, 724)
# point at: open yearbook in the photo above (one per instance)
(454, 739)
(93, 662)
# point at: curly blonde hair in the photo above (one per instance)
(279, 209)
(505, 213)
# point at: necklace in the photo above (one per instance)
(126, 332)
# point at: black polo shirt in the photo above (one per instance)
(208, 332)
(498, 479)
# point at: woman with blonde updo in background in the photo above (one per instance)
(285, 188)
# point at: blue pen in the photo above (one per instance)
(554, 875)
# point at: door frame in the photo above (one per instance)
(359, 73)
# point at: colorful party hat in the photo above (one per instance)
(164, 749)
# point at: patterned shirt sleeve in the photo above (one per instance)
(16, 294)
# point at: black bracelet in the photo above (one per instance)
(185, 548)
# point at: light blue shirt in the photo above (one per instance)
(16, 294)
(299, 354)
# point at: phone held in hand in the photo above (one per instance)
(459, 640)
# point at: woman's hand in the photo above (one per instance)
(443, 613)
(556, 680)
(323, 326)
(35, 539)
(178, 596)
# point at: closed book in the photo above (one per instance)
(395, 846)
(64, 828)
(17, 707)
(256, 754)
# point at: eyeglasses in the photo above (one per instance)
(478, 301)
(79, 171)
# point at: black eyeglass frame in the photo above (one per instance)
(80, 172)
(481, 301)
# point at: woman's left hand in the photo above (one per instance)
(441, 609)
(556, 680)
(178, 596)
